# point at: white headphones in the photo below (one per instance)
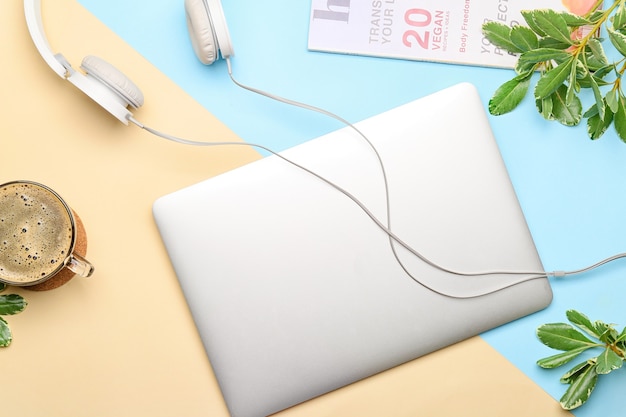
(208, 31)
(108, 86)
(210, 40)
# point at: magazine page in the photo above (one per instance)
(428, 30)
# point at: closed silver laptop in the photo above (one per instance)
(295, 292)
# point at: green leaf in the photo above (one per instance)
(11, 304)
(574, 20)
(549, 42)
(580, 388)
(552, 24)
(596, 57)
(544, 107)
(582, 322)
(524, 38)
(573, 373)
(618, 40)
(612, 100)
(524, 67)
(600, 73)
(601, 107)
(571, 86)
(591, 111)
(2, 286)
(608, 334)
(499, 34)
(581, 72)
(608, 361)
(530, 21)
(619, 120)
(596, 126)
(619, 18)
(568, 114)
(508, 96)
(552, 79)
(545, 54)
(562, 336)
(5, 333)
(562, 358)
(596, 16)
(622, 335)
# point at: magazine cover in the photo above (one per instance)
(426, 30)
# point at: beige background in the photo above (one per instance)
(122, 343)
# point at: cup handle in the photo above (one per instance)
(79, 265)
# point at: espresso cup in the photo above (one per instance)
(38, 233)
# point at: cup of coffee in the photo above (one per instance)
(38, 236)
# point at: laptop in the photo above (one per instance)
(295, 291)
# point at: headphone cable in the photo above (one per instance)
(386, 228)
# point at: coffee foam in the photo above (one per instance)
(36, 233)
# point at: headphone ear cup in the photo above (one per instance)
(201, 32)
(110, 76)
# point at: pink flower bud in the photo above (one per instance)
(579, 7)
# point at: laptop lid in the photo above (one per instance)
(295, 292)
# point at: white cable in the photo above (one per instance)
(386, 228)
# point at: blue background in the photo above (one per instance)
(570, 188)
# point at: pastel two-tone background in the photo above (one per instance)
(124, 344)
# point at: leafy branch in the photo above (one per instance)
(583, 377)
(9, 304)
(567, 53)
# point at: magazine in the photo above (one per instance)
(427, 30)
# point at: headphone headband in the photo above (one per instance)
(110, 100)
(101, 81)
(218, 19)
(32, 11)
